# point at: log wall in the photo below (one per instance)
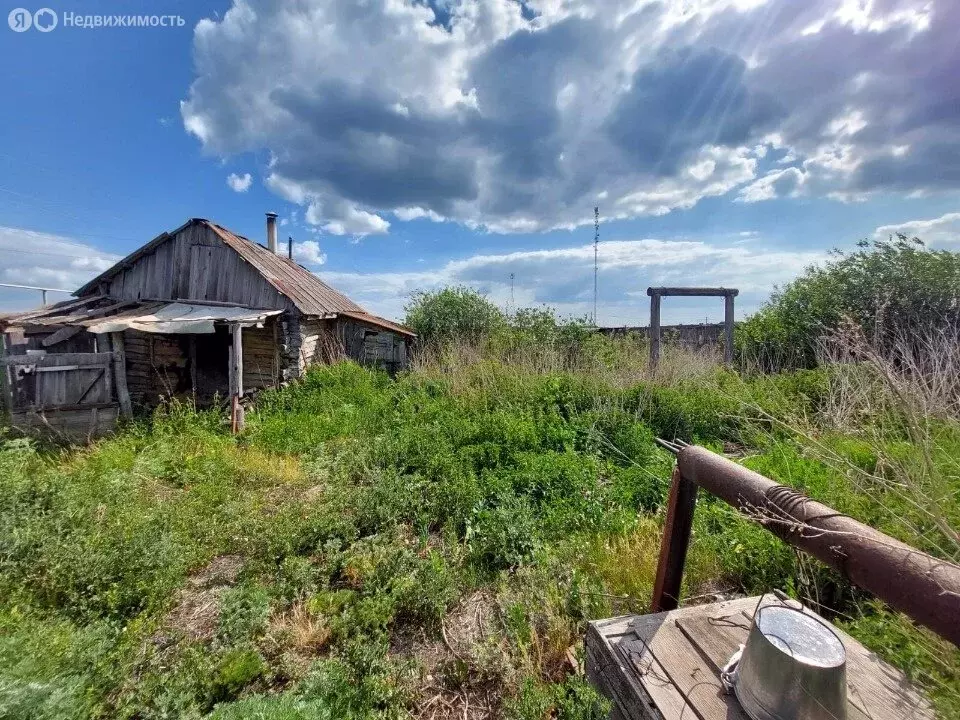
(261, 356)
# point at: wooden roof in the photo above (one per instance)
(309, 294)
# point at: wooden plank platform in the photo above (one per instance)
(666, 666)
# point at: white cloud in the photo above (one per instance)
(778, 183)
(28, 257)
(515, 117)
(308, 253)
(351, 220)
(943, 231)
(406, 214)
(563, 278)
(239, 183)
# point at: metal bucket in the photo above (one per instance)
(793, 667)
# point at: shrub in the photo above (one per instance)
(503, 533)
(886, 288)
(453, 314)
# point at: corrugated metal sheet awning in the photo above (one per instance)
(180, 319)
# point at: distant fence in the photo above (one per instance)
(690, 337)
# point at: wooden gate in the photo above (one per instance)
(70, 394)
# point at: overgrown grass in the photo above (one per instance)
(431, 545)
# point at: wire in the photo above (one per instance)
(52, 254)
(56, 203)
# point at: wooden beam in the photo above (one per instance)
(728, 329)
(120, 374)
(107, 309)
(676, 539)
(61, 335)
(654, 331)
(692, 291)
(66, 408)
(53, 310)
(237, 360)
(236, 368)
(58, 359)
(90, 386)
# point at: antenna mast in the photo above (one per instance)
(596, 244)
(512, 304)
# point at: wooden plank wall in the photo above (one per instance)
(139, 372)
(156, 366)
(373, 345)
(194, 264)
(77, 402)
(19, 341)
(691, 337)
(260, 358)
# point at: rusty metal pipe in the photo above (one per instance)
(920, 585)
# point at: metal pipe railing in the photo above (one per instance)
(922, 586)
(43, 290)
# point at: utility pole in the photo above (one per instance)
(512, 304)
(596, 244)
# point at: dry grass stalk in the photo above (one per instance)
(623, 363)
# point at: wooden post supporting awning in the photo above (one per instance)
(656, 293)
(236, 377)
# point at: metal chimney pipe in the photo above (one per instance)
(290, 246)
(272, 232)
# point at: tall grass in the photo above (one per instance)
(615, 362)
(434, 540)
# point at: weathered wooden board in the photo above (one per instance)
(194, 264)
(72, 424)
(666, 666)
(70, 395)
(260, 359)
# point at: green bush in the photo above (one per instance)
(453, 314)
(503, 533)
(887, 288)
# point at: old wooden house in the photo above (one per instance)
(197, 311)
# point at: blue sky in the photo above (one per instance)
(409, 145)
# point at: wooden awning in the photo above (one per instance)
(179, 319)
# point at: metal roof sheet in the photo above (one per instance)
(179, 318)
(309, 293)
(377, 320)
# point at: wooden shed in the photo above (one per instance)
(198, 310)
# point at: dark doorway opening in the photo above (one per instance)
(211, 364)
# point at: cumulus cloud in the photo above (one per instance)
(239, 183)
(776, 184)
(563, 278)
(519, 116)
(308, 253)
(45, 260)
(943, 231)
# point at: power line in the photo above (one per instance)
(54, 254)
